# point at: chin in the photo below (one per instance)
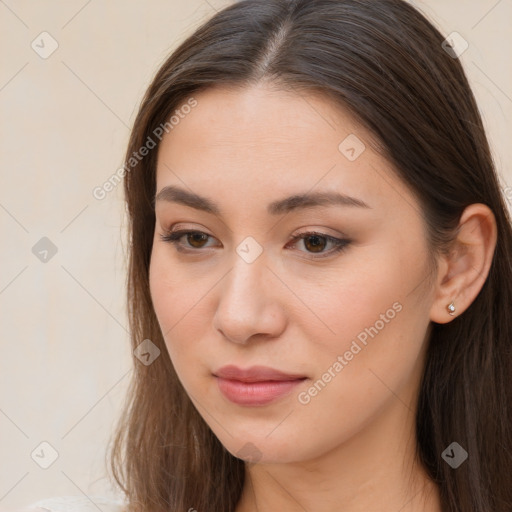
(265, 448)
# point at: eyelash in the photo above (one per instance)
(340, 244)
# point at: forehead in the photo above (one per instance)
(261, 141)
(263, 114)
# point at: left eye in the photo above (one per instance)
(315, 243)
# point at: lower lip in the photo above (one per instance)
(255, 393)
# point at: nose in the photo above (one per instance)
(249, 305)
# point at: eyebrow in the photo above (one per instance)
(297, 201)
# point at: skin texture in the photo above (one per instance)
(353, 442)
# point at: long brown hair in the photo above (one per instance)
(384, 61)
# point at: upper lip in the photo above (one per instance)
(255, 374)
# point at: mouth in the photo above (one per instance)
(255, 386)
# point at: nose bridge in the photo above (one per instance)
(246, 304)
(244, 282)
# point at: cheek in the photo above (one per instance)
(373, 360)
(180, 301)
(346, 301)
(174, 290)
(374, 317)
(163, 285)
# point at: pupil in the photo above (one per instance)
(196, 237)
(317, 244)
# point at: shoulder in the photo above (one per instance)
(77, 504)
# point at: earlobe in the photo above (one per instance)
(465, 269)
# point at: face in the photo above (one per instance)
(296, 324)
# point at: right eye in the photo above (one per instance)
(195, 239)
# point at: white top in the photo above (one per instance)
(77, 504)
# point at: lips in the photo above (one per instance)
(255, 386)
(255, 374)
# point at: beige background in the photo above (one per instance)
(65, 360)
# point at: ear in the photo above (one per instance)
(462, 273)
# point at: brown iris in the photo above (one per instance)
(317, 245)
(198, 238)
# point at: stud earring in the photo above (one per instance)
(451, 309)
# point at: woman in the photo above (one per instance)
(320, 272)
